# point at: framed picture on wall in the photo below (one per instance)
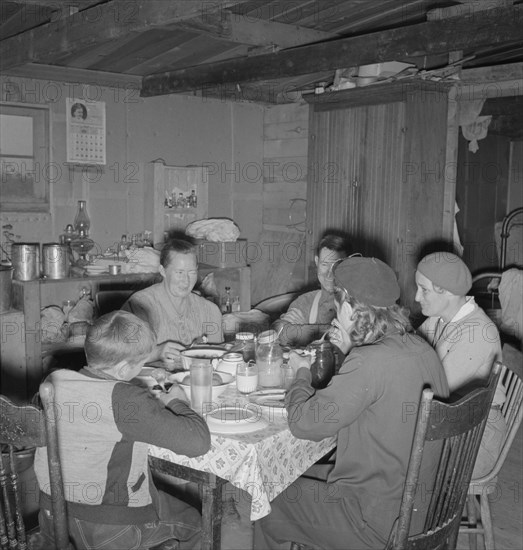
(85, 131)
(25, 169)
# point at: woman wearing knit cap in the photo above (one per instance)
(371, 406)
(465, 339)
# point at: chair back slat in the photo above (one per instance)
(61, 532)
(459, 425)
(21, 427)
(480, 487)
(19, 521)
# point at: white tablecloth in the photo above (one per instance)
(263, 462)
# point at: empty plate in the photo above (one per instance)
(240, 419)
(269, 398)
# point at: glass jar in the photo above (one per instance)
(322, 369)
(82, 223)
(269, 358)
(244, 343)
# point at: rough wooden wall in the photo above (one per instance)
(281, 267)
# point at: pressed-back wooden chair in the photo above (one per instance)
(480, 488)
(29, 426)
(459, 426)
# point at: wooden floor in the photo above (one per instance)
(506, 507)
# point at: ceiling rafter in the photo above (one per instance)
(258, 32)
(401, 44)
(102, 22)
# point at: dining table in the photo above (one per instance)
(252, 447)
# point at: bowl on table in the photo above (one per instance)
(219, 384)
(199, 354)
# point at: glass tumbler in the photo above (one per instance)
(201, 387)
(247, 377)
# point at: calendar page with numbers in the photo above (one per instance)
(85, 131)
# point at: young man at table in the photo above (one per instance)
(310, 314)
(465, 339)
(105, 425)
(177, 316)
(371, 406)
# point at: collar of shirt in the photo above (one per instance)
(465, 309)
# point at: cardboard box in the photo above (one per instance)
(224, 254)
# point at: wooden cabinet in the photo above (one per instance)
(377, 169)
(169, 181)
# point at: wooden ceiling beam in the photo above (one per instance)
(243, 29)
(54, 73)
(97, 24)
(57, 5)
(487, 28)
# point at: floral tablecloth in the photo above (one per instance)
(262, 462)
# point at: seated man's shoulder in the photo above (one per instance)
(305, 296)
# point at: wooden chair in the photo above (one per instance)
(29, 426)
(459, 426)
(480, 488)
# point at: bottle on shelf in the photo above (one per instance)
(82, 223)
(124, 243)
(68, 235)
(194, 199)
(147, 238)
(134, 242)
(236, 306)
(181, 201)
(226, 303)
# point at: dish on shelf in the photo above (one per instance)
(239, 419)
(96, 269)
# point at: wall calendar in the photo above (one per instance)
(85, 131)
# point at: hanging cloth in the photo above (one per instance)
(473, 126)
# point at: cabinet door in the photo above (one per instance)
(355, 181)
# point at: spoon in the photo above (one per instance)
(324, 335)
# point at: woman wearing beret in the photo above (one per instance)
(465, 339)
(371, 406)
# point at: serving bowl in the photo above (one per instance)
(179, 377)
(199, 354)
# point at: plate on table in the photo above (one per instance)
(274, 399)
(230, 420)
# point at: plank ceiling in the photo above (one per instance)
(258, 50)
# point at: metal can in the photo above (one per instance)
(25, 258)
(55, 263)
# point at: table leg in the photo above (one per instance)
(212, 512)
(210, 487)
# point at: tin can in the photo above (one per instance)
(55, 262)
(26, 261)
